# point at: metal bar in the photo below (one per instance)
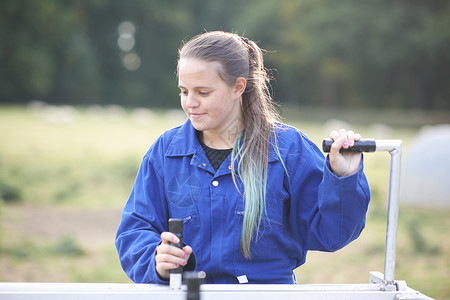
(38, 287)
(94, 291)
(392, 215)
(388, 145)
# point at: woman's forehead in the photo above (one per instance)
(195, 71)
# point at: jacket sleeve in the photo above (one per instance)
(144, 218)
(327, 212)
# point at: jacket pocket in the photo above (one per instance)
(183, 194)
(268, 258)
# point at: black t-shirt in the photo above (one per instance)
(215, 156)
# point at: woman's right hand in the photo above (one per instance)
(170, 257)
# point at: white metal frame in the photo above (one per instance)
(394, 147)
(128, 291)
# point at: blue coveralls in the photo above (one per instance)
(307, 209)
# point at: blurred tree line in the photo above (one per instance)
(322, 52)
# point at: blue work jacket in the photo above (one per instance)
(308, 208)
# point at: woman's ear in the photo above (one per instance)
(239, 87)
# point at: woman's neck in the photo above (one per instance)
(224, 136)
(221, 140)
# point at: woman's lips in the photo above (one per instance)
(196, 115)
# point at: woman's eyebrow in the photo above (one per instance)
(197, 87)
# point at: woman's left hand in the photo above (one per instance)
(344, 164)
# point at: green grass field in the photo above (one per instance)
(66, 173)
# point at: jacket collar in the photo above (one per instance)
(185, 143)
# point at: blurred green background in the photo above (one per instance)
(393, 54)
(87, 86)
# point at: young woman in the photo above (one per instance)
(255, 194)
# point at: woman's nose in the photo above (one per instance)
(191, 101)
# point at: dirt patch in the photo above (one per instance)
(88, 227)
(41, 244)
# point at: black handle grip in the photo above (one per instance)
(367, 145)
(176, 227)
(193, 282)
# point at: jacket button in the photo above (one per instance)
(215, 183)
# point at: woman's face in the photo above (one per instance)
(211, 104)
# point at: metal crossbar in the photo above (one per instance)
(115, 291)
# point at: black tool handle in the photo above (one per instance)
(193, 282)
(176, 227)
(366, 145)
